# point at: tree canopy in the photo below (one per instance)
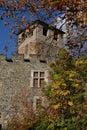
(66, 93)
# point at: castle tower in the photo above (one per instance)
(40, 39)
(40, 42)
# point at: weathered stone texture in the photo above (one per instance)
(39, 45)
(15, 76)
(43, 42)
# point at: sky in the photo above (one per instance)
(6, 41)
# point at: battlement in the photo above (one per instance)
(20, 58)
(38, 45)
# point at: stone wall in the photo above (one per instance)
(43, 42)
(38, 45)
(15, 75)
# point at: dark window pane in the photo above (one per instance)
(0, 127)
(41, 74)
(41, 82)
(45, 31)
(55, 36)
(35, 83)
(35, 74)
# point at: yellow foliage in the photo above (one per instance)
(75, 85)
(79, 62)
(70, 79)
(70, 103)
(56, 85)
(72, 74)
(64, 85)
(64, 92)
(56, 106)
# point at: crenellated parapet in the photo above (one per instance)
(20, 58)
(28, 69)
(17, 57)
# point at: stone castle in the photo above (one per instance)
(38, 45)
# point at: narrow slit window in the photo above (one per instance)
(45, 31)
(55, 36)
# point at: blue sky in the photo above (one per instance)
(5, 40)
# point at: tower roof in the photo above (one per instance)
(39, 22)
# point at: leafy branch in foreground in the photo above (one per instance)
(66, 93)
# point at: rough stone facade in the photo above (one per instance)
(42, 40)
(15, 76)
(18, 73)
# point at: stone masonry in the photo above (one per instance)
(14, 76)
(36, 49)
(40, 39)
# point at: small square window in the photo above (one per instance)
(38, 78)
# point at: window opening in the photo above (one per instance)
(55, 36)
(0, 126)
(41, 74)
(41, 82)
(26, 60)
(35, 82)
(43, 61)
(9, 60)
(35, 74)
(45, 31)
(38, 79)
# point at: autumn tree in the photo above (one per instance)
(66, 93)
(75, 15)
(76, 23)
(24, 12)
